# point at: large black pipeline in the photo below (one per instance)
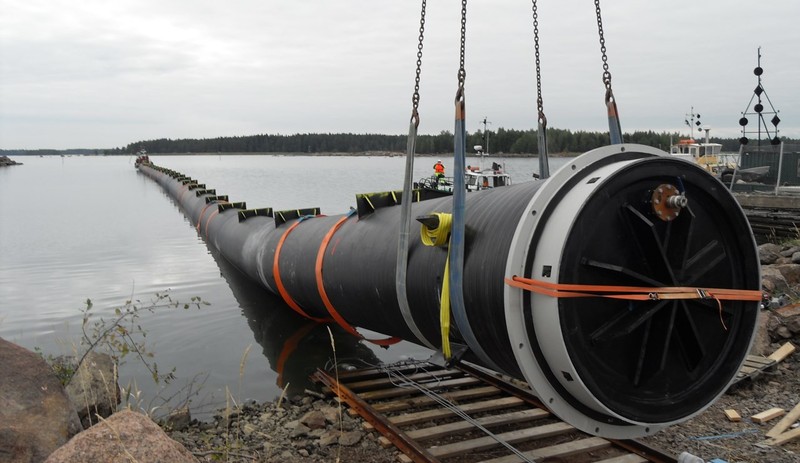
(623, 215)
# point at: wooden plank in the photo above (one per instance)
(784, 438)
(758, 360)
(733, 415)
(629, 458)
(439, 413)
(564, 450)
(785, 422)
(512, 437)
(747, 371)
(389, 381)
(767, 415)
(405, 404)
(393, 392)
(385, 442)
(783, 352)
(435, 432)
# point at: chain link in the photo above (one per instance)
(606, 74)
(539, 102)
(415, 97)
(462, 73)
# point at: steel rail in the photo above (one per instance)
(399, 438)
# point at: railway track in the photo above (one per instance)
(465, 414)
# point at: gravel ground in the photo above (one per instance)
(307, 429)
(710, 435)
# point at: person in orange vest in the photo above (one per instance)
(438, 170)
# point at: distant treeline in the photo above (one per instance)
(506, 141)
(51, 152)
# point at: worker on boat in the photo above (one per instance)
(438, 170)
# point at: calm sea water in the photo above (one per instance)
(78, 228)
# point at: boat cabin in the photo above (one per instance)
(704, 154)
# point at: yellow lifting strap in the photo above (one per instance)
(440, 236)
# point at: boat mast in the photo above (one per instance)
(485, 150)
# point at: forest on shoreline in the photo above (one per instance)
(509, 142)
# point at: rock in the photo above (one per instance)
(776, 278)
(93, 390)
(331, 414)
(790, 272)
(761, 342)
(350, 438)
(36, 416)
(768, 253)
(796, 258)
(783, 332)
(788, 252)
(228, 416)
(787, 317)
(125, 436)
(290, 425)
(329, 438)
(300, 430)
(773, 323)
(314, 419)
(6, 161)
(794, 326)
(178, 419)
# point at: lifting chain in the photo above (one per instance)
(544, 166)
(606, 73)
(462, 73)
(614, 128)
(415, 97)
(539, 103)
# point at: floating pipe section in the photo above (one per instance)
(622, 218)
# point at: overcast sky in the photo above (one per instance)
(100, 73)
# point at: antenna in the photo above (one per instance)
(759, 112)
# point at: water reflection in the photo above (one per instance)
(294, 346)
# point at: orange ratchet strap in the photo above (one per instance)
(633, 293)
(203, 212)
(324, 295)
(277, 275)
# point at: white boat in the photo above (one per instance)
(706, 155)
(484, 179)
(476, 178)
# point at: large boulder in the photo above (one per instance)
(6, 161)
(772, 280)
(36, 416)
(93, 389)
(125, 436)
(790, 272)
